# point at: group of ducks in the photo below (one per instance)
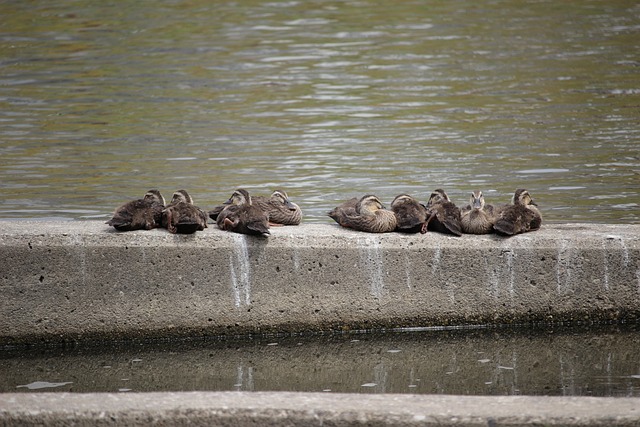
(440, 214)
(254, 215)
(240, 214)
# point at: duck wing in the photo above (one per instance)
(445, 218)
(341, 212)
(190, 219)
(411, 218)
(517, 219)
(382, 221)
(136, 215)
(279, 213)
(253, 220)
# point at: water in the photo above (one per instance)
(594, 362)
(100, 102)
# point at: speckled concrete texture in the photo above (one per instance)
(64, 281)
(311, 409)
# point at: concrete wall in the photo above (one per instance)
(80, 279)
(68, 280)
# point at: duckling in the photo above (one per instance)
(444, 215)
(240, 215)
(477, 217)
(520, 216)
(280, 209)
(369, 215)
(348, 208)
(182, 216)
(411, 215)
(140, 214)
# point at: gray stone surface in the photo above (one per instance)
(71, 280)
(82, 280)
(311, 409)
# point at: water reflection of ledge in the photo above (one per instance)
(597, 362)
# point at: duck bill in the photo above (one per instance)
(477, 204)
(290, 205)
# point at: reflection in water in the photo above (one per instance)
(327, 99)
(598, 362)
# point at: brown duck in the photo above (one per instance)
(520, 216)
(348, 208)
(280, 209)
(140, 214)
(368, 215)
(182, 216)
(240, 215)
(444, 215)
(477, 217)
(411, 215)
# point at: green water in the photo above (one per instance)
(100, 101)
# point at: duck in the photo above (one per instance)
(340, 212)
(280, 209)
(444, 215)
(369, 215)
(521, 216)
(139, 214)
(182, 216)
(241, 215)
(477, 217)
(411, 215)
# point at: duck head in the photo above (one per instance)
(282, 197)
(522, 197)
(369, 204)
(438, 196)
(181, 196)
(477, 200)
(401, 199)
(154, 196)
(239, 197)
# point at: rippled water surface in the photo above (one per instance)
(101, 101)
(564, 362)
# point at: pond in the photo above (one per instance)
(327, 99)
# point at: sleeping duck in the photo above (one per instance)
(411, 215)
(520, 216)
(348, 208)
(241, 215)
(477, 217)
(368, 215)
(182, 216)
(280, 209)
(444, 215)
(140, 214)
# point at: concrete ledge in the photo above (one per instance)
(311, 409)
(73, 280)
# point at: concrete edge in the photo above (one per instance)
(80, 280)
(312, 409)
